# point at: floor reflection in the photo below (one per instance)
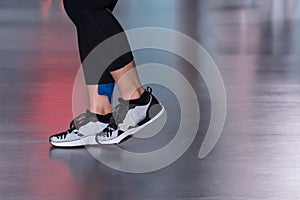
(256, 46)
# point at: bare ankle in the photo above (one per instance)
(136, 94)
(101, 105)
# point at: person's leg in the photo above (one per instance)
(128, 82)
(83, 128)
(99, 101)
(100, 95)
(95, 23)
(137, 108)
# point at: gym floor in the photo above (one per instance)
(256, 46)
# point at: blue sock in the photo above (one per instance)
(106, 89)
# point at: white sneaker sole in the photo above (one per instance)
(88, 140)
(132, 131)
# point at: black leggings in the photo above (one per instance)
(95, 23)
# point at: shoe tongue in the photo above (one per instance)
(88, 112)
(122, 101)
(91, 116)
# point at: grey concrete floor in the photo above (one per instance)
(257, 49)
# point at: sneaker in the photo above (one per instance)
(131, 116)
(82, 131)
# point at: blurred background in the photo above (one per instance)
(256, 46)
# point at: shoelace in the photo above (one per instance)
(77, 122)
(119, 113)
(120, 110)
